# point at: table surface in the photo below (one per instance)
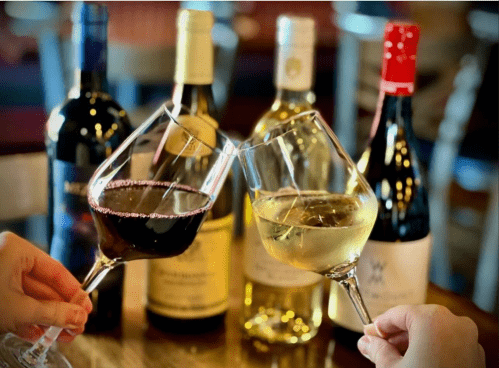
(142, 346)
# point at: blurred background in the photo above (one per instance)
(455, 103)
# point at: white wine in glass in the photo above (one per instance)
(314, 231)
(288, 300)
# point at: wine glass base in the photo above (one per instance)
(12, 347)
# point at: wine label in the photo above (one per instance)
(263, 268)
(194, 58)
(196, 283)
(179, 142)
(389, 274)
(294, 67)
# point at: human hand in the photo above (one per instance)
(36, 291)
(422, 336)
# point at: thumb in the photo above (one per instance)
(379, 351)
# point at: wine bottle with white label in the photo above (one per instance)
(281, 303)
(81, 133)
(393, 267)
(189, 293)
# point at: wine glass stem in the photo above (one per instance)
(35, 356)
(349, 283)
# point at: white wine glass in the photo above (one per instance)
(148, 200)
(315, 216)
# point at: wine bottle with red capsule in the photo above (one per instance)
(394, 265)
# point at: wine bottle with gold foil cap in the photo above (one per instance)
(189, 293)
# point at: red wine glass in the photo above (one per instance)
(148, 200)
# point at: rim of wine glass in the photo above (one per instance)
(241, 148)
(229, 148)
(219, 131)
(313, 114)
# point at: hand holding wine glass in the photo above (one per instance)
(148, 199)
(315, 225)
(36, 291)
(426, 335)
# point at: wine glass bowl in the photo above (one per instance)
(313, 208)
(150, 198)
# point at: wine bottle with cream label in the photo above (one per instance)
(281, 303)
(189, 293)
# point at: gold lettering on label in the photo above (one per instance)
(79, 189)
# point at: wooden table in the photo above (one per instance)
(140, 346)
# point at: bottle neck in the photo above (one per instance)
(90, 81)
(300, 98)
(194, 58)
(90, 56)
(293, 75)
(198, 98)
(194, 72)
(294, 68)
(394, 113)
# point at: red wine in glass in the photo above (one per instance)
(147, 219)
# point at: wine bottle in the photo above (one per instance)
(189, 293)
(394, 264)
(281, 303)
(81, 133)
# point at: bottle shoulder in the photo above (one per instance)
(86, 129)
(102, 104)
(392, 160)
(91, 112)
(393, 171)
(403, 212)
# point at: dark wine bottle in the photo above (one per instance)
(81, 133)
(394, 265)
(189, 293)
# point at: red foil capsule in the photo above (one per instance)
(399, 58)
